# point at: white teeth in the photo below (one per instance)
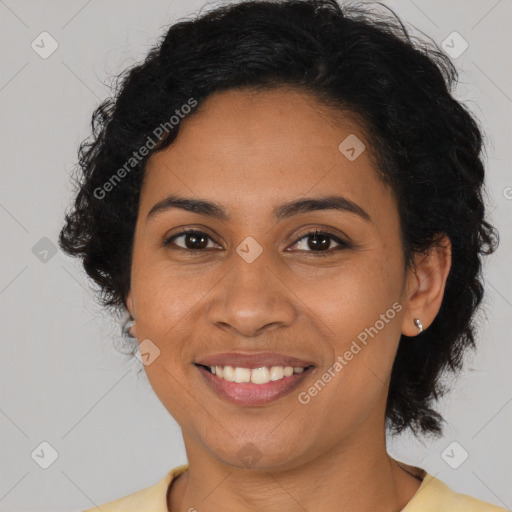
(276, 373)
(228, 373)
(242, 375)
(261, 375)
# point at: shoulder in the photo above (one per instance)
(149, 499)
(435, 496)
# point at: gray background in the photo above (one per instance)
(62, 380)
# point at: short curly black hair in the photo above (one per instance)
(353, 58)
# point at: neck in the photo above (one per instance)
(360, 477)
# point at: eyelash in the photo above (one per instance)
(316, 232)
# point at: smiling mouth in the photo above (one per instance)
(253, 386)
(261, 375)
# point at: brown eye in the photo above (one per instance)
(316, 242)
(319, 242)
(192, 240)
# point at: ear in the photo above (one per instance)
(131, 309)
(425, 284)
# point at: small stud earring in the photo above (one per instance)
(127, 325)
(418, 324)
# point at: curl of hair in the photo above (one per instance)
(348, 57)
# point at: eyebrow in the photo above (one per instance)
(283, 211)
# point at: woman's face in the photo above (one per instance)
(253, 282)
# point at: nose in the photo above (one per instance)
(252, 298)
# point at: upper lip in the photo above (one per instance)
(252, 360)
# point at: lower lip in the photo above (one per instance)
(248, 393)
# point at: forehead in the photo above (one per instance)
(270, 146)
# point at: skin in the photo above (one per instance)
(250, 152)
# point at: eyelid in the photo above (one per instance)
(321, 231)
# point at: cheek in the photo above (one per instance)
(165, 294)
(360, 314)
(167, 309)
(165, 305)
(354, 295)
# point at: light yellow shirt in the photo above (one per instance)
(432, 496)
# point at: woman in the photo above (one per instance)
(287, 200)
